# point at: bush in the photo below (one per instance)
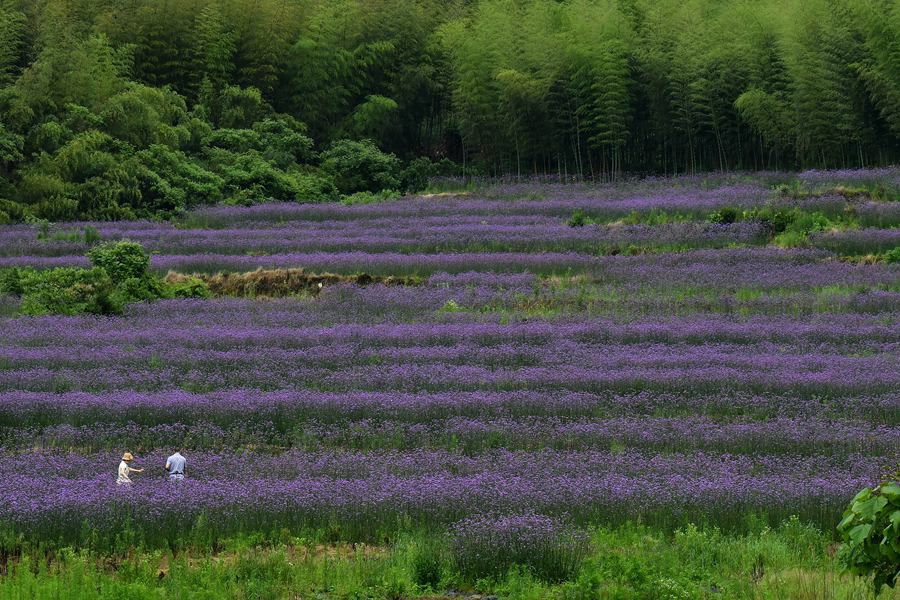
(774, 220)
(119, 276)
(188, 287)
(122, 260)
(11, 281)
(361, 167)
(315, 188)
(284, 141)
(370, 197)
(68, 291)
(725, 215)
(417, 173)
(253, 179)
(138, 289)
(489, 545)
(169, 180)
(892, 255)
(871, 533)
(428, 562)
(579, 219)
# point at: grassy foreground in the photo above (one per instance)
(629, 562)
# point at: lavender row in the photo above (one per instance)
(801, 376)
(556, 201)
(600, 488)
(796, 436)
(472, 234)
(807, 436)
(215, 325)
(347, 464)
(857, 241)
(492, 345)
(282, 410)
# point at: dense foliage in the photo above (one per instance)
(110, 110)
(120, 274)
(871, 531)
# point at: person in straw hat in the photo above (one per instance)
(125, 470)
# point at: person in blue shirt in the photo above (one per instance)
(175, 467)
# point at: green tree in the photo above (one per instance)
(12, 40)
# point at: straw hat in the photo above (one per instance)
(127, 456)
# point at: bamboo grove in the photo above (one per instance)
(575, 88)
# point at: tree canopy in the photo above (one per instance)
(110, 109)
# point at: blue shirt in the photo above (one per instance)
(176, 463)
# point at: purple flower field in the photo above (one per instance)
(537, 369)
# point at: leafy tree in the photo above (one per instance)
(10, 149)
(142, 116)
(213, 49)
(12, 40)
(169, 180)
(121, 260)
(284, 141)
(361, 167)
(86, 72)
(870, 529)
(373, 118)
(880, 67)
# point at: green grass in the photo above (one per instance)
(629, 562)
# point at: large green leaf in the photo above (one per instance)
(848, 519)
(891, 491)
(864, 494)
(867, 509)
(859, 533)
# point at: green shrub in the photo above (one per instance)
(14, 210)
(892, 255)
(725, 215)
(252, 177)
(91, 235)
(775, 220)
(169, 180)
(429, 561)
(122, 260)
(11, 281)
(138, 289)
(417, 173)
(189, 287)
(579, 219)
(791, 239)
(871, 533)
(361, 167)
(315, 188)
(284, 141)
(68, 291)
(370, 197)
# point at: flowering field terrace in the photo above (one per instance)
(534, 368)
